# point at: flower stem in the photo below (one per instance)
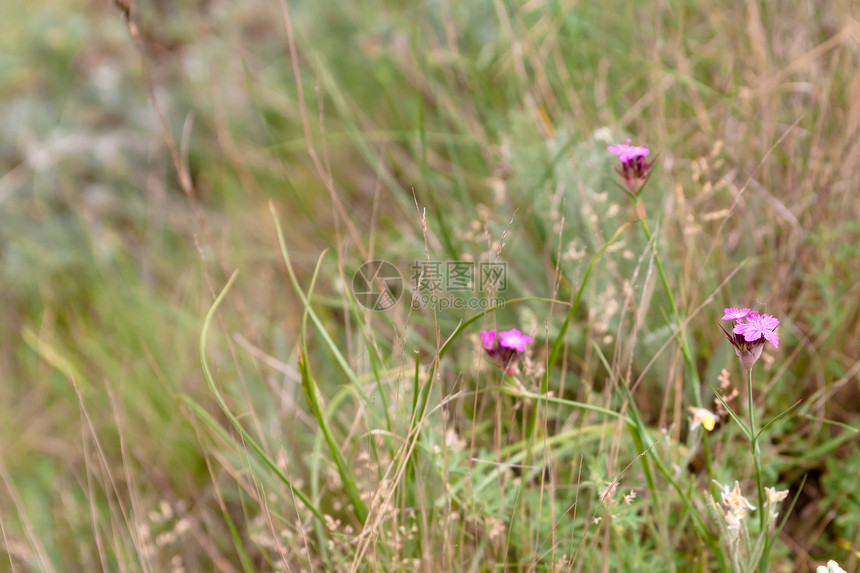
(680, 331)
(640, 210)
(755, 452)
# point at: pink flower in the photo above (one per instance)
(488, 338)
(759, 327)
(627, 152)
(750, 332)
(505, 349)
(733, 313)
(634, 168)
(514, 339)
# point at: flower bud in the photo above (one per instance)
(748, 358)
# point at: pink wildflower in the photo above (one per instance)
(514, 339)
(634, 168)
(627, 152)
(737, 313)
(750, 332)
(505, 349)
(759, 327)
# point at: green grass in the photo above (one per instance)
(189, 382)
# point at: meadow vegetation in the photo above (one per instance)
(192, 381)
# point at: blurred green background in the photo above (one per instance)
(438, 129)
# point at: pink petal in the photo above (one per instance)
(750, 330)
(639, 151)
(753, 334)
(771, 337)
(627, 152)
(733, 313)
(741, 328)
(514, 339)
(488, 339)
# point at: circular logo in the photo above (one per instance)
(377, 285)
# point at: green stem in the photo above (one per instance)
(649, 477)
(680, 333)
(644, 223)
(750, 403)
(756, 453)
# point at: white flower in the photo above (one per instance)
(733, 522)
(734, 501)
(736, 506)
(773, 498)
(702, 417)
(832, 567)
